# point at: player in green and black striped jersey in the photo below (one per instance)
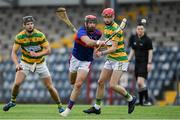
(115, 65)
(34, 46)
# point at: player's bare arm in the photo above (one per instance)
(150, 55)
(96, 50)
(91, 42)
(14, 53)
(109, 50)
(131, 54)
(15, 57)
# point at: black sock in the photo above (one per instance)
(141, 98)
(70, 104)
(145, 93)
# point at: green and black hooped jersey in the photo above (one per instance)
(34, 42)
(120, 54)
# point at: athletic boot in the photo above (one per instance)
(131, 105)
(9, 105)
(92, 110)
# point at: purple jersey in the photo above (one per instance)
(82, 51)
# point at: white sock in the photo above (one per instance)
(130, 98)
(97, 107)
(68, 110)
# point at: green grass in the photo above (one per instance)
(36, 111)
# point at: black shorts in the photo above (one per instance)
(141, 70)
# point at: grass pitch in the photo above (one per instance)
(49, 112)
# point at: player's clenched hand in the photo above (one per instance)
(98, 54)
(34, 54)
(149, 67)
(101, 43)
(18, 67)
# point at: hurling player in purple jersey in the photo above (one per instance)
(86, 39)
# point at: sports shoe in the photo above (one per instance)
(9, 105)
(60, 109)
(138, 104)
(147, 103)
(65, 113)
(131, 105)
(92, 110)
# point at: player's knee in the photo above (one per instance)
(140, 85)
(78, 85)
(101, 83)
(17, 84)
(49, 86)
(72, 82)
(112, 85)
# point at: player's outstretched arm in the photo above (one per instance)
(113, 48)
(91, 42)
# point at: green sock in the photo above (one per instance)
(59, 105)
(128, 97)
(98, 101)
(13, 99)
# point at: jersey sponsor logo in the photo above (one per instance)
(109, 43)
(140, 44)
(32, 48)
(134, 43)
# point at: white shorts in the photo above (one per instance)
(76, 65)
(41, 69)
(115, 65)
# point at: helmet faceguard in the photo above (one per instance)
(91, 18)
(28, 27)
(28, 19)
